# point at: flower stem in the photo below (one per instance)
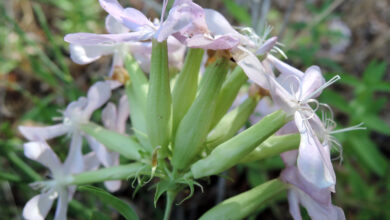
(170, 197)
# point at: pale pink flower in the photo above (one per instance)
(316, 200)
(76, 114)
(114, 119)
(58, 186)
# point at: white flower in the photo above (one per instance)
(39, 206)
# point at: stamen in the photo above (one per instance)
(319, 90)
(353, 128)
(280, 51)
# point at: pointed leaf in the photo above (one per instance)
(124, 209)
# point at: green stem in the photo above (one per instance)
(23, 166)
(244, 204)
(112, 173)
(170, 197)
(9, 177)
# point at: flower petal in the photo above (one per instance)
(130, 17)
(207, 43)
(313, 160)
(293, 202)
(320, 211)
(311, 81)
(185, 17)
(123, 114)
(38, 207)
(289, 158)
(98, 95)
(284, 68)
(113, 185)
(103, 155)
(217, 23)
(114, 27)
(43, 133)
(42, 153)
(84, 54)
(267, 46)
(90, 161)
(251, 66)
(62, 205)
(74, 162)
(91, 39)
(109, 116)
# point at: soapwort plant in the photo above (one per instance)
(184, 127)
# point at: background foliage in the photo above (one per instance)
(37, 78)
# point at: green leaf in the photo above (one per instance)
(381, 86)
(376, 123)
(96, 215)
(369, 154)
(335, 100)
(238, 12)
(162, 187)
(124, 209)
(374, 72)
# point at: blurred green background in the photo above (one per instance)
(350, 38)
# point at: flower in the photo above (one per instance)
(294, 91)
(39, 206)
(317, 201)
(76, 114)
(114, 119)
(86, 47)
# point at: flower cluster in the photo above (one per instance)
(187, 132)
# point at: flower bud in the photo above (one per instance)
(232, 151)
(229, 91)
(114, 141)
(136, 91)
(158, 106)
(244, 204)
(231, 123)
(186, 86)
(193, 129)
(273, 146)
(121, 172)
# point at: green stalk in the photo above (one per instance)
(9, 177)
(158, 106)
(232, 151)
(273, 146)
(23, 166)
(121, 172)
(193, 129)
(136, 91)
(186, 86)
(228, 93)
(170, 198)
(244, 204)
(114, 141)
(229, 125)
